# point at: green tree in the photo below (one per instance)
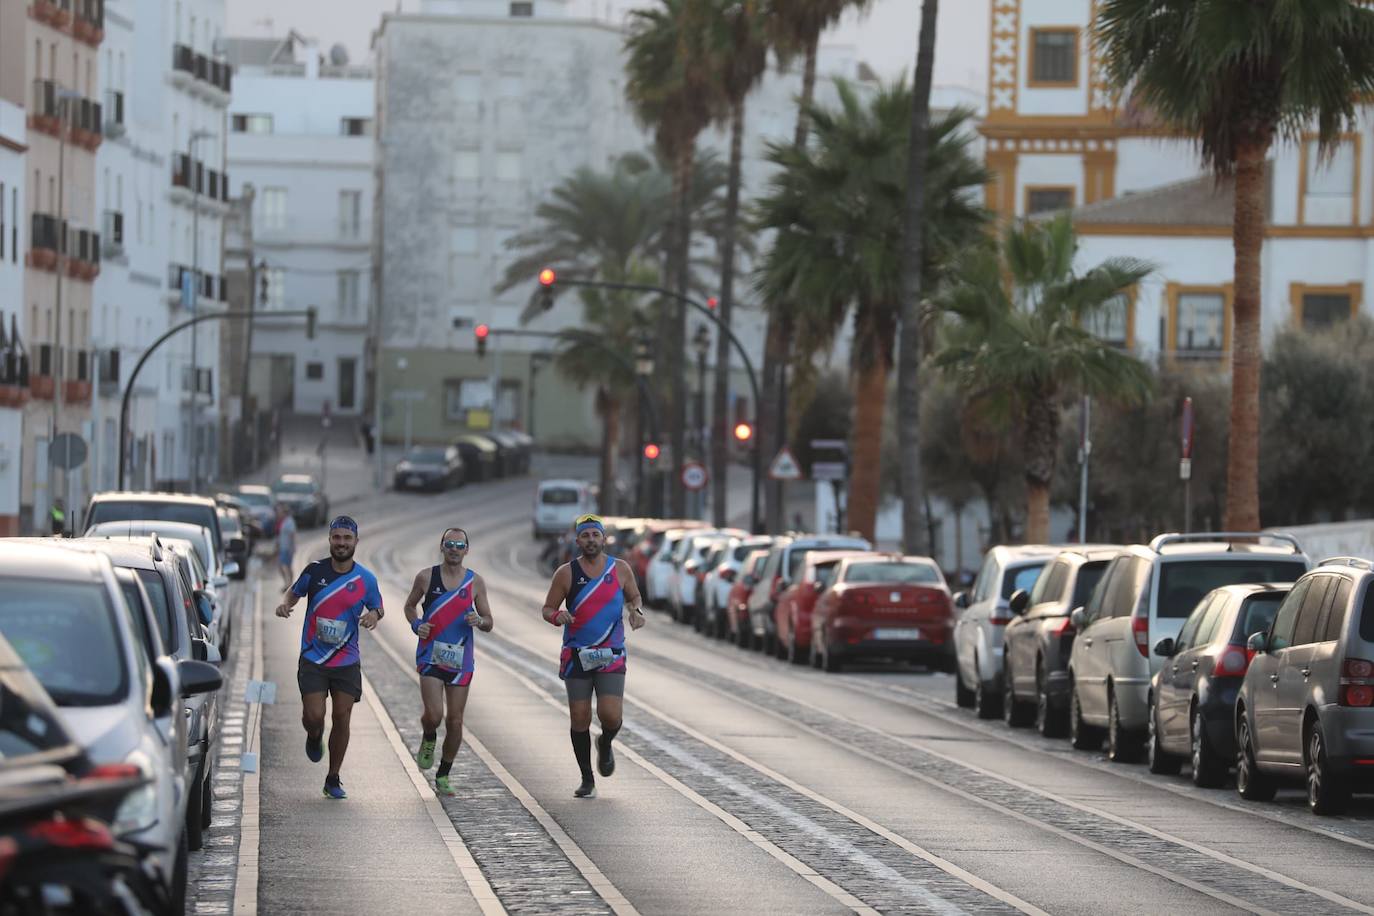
(1236, 75)
(1026, 346)
(837, 207)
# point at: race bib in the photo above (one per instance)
(331, 632)
(447, 655)
(593, 658)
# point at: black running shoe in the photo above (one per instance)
(586, 790)
(605, 757)
(314, 749)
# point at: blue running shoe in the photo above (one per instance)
(335, 791)
(314, 749)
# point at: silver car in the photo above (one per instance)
(1145, 595)
(1306, 706)
(66, 613)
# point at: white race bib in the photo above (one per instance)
(331, 632)
(447, 655)
(593, 658)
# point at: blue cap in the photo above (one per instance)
(343, 521)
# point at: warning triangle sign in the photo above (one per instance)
(784, 466)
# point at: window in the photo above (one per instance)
(1281, 636)
(1089, 574)
(1329, 184)
(1048, 585)
(348, 294)
(356, 127)
(468, 87)
(273, 208)
(1021, 577)
(467, 165)
(1215, 613)
(1054, 58)
(462, 395)
(510, 86)
(276, 288)
(987, 576)
(1337, 601)
(252, 123)
(1199, 321)
(1048, 200)
(1316, 308)
(1112, 322)
(350, 214)
(464, 240)
(1188, 635)
(1128, 586)
(1182, 582)
(509, 166)
(1256, 616)
(522, 8)
(1305, 632)
(314, 371)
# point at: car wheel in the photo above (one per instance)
(962, 695)
(1049, 721)
(207, 802)
(1161, 762)
(1122, 745)
(1208, 768)
(986, 701)
(1015, 713)
(179, 877)
(1250, 782)
(1327, 792)
(1082, 736)
(769, 643)
(830, 662)
(195, 827)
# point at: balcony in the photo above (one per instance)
(89, 25)
(42, 383)
(81, 115)
(50, 239)
(56, 13)
(107, 372)
(211, 287)
(114, 114)
(76, 392)
(201, 75)
(14, 376)
(113, 234)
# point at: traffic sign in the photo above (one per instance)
(784, 466)
(1187, 428)
(68, 451)
(829, 470)
(694, 476)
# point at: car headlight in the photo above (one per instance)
(138, 811)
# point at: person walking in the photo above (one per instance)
(454, 601)
(342, 598)
(286, 542)
(589, 598)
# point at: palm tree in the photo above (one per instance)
(1021, 349)
(1236, 76)
(837, 207)
(796, 27)
(669, 85)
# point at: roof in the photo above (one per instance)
(255, 488)
(1201, 201)
(115, 496)
(1015, 552)
(133, 553)
(144, 527)
(36, 556)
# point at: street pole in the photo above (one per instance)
(193, 428)
(64, 109)
(1085, 450)
(245, 440)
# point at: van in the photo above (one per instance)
(558, 503)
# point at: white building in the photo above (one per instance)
(13, 238)
(301, 135)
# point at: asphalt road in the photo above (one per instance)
(744, 784)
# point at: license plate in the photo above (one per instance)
(414, 481)
(897, 633)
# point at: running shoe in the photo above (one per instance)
(314, 748)
(426, 756)
(442, 787)
(605, 757)
(335, 791)
(586, 790)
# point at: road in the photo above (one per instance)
(744, 784)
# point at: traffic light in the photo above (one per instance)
(547, 278)
(712, 302)
(651, 450)
(310, 322)
(480, 332)
(744, 432)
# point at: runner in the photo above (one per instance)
(286, 542)
(455, 602)
(342, 596)
(597, 590)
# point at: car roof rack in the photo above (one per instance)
(1165, 540)
(1355, 562)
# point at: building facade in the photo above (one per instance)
(14, 388)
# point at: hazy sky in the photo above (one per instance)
(885, 38)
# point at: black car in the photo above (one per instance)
(1035, 661)
(304, 497)
(430, 467)
(1193, 695)
(479, 456)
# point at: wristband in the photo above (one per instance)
(415, 626)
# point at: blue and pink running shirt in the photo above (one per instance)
(598, 606)
(449, 644)
(336, 601)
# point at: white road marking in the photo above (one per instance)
(246, 878)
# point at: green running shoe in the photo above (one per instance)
(442, 787)
(426, 756)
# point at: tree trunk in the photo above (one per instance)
(677, 325)
(610, 449)
(865, 465)
(720, 419)
(1242, 460)
(915, 534)
(1041, 447)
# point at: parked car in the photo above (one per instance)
(247, 521)
(688, 570)
(1144, 596)
(1193, 695)
(479, 457)
(736, 621)
(558, 503)
(648, 543)
(125, 506)
(784, 567)
(1036, 644)
(262, 504)
(720, 581)
(429, 467)
(1306, 706)
(883, 606)
(792, 612)
(123, 702)
(303, 497)
(235, 539)
(983, 616)
(658, 577)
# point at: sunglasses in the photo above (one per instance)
(455, 545)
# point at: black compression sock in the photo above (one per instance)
(582, 748)
(432, 736)
(444, 767)
(332, 779)
(608, 734)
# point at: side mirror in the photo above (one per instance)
(1077, 618)
(202, 650)
(1020, 600)
(166, 686)
(236, 546)
(198, 677)
(205, 609)
(222, 580)
(1164, 648)
(961, 600)
(1258, 642)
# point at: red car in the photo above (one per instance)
(884, 606)
(737, 605)
(792, 612)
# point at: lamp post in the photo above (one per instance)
(701, 342)
(644, 368)
(193, 428)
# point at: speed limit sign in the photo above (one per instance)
(693, 476)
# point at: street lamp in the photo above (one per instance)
(644, 368)
(192, 446)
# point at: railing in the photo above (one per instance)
(46, 233)
(114, 230)
(114, 112)
(215, 73)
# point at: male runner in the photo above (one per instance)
(597, 590)
(286, 542)
(342, 596)
(455, 602)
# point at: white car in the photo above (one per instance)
(720, 579)
(558, 503)
(685, 578)
(982, 621)
(658, 579)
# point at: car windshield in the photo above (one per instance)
(426, 456)
(1256, 616)
(894, 573)
(1020, 577)
(797, 556)
(157, 594)
(257, 499)
(295, 486)
(134, 511)
(558, 496)
(143, 529)
(65, 633)
(1182, 583)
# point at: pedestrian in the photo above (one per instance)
(342, 596)
(58, 518)
(454, 604)
(286, 543)
(598, 590)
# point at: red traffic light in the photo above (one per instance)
(481, 331)
(547, 276)
(651, 450)
(712, 302)
(743, 432)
